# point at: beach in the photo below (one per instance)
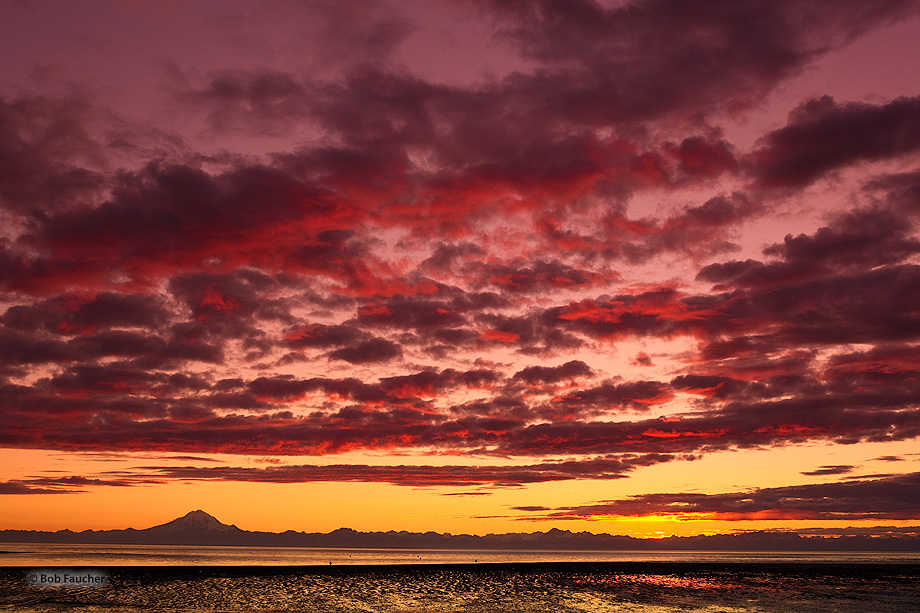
(652, 587)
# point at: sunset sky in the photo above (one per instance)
(469, 266)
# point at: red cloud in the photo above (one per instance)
(430, 227)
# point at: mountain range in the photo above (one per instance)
(200, 528)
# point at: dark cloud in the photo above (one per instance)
(368, 352)
(642, 359)
(698, 157)
(890, 458)
(192, 458)
(894, 497)
(242, 294)
(88, 380)
(445, 255)
(127, 408)
(77, 482)
(819, 293)
(321, 335)
(422, 313)
(637, 395)
(70, 315)
(19, 349)
(611, 467)
(715, 386)
(882, 366)
(263, 103)
(283, 389)
(659, 312)
(697, 230)
(432, 382)
(874, 531)
(845, 308)
(554, 374)
(66, 485)
(18, 488)
(49, 156)
(539, 276)
(359, 31)
(654, 57)
(863, 237)
(168, 217)
(837, 469)
(822, 136)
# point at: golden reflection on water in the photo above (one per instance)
(664, 581)
(495, 589)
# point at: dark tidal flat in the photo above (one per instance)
(657, 587)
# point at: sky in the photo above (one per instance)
(472, 266)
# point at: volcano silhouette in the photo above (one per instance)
(194, 528)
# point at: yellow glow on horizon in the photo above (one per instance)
(473, 509)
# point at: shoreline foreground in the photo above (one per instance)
(567, 587)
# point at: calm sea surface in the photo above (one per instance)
(40, 554)
(132, 579)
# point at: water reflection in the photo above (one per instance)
(637, 587)
(40, 554)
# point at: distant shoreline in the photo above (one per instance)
(856, 568)
(37, 556)
(198, 528)
(755, 541)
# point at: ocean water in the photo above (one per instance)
(389, 581)
(43, 554)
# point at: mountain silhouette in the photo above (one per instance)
(200, 528)
(196, 522)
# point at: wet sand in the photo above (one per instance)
(484, 588)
